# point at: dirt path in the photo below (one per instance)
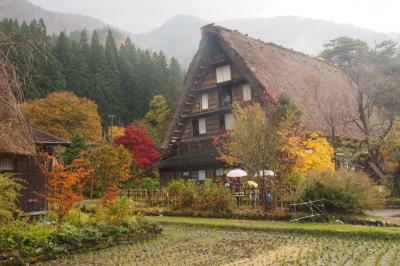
(390, 215)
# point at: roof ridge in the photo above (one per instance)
(217, 29)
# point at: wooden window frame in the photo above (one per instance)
(223, 73)
(246, 92)
(201, 121)
(204, 101)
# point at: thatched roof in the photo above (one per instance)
(41, 137)
(320, 90)
(15, 136)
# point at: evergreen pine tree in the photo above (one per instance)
(78, 144)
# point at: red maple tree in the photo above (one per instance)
(141, 146)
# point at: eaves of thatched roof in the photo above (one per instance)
(321, 91)
(44, 138)
(15, 135)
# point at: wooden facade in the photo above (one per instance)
(204, 117)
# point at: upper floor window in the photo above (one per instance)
(223, 73)
(204, 101)
(246, 89)
(229, 120)
(195, 126)
(199, 127)
(202, 126)
(225, 96)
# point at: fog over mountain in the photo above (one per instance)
(55, 21)
(179, 36)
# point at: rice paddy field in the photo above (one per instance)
(200, 244)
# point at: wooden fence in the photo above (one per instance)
(245, 197)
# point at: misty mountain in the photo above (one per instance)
(23, 10)
(180, 35)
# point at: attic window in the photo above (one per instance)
(204, 101)
(7, 164)
(223, 73)
(246, 92)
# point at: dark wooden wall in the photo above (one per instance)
(29, 170)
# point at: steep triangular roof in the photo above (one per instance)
(320, 90)
(15, 136)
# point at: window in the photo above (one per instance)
(225, 96)
(194, 174)
(202, 126)
(222, 123)
(219, 172)
(204, 101)
(202, 175)
(246, 92)
(223, 73)
(7, 164)
(186, 174)
(229, 119)
(195, 126)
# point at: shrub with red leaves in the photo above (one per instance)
(137, 141)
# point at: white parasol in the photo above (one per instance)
(236, 173)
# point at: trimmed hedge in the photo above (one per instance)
(20, 247)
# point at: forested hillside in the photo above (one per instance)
(120, 78)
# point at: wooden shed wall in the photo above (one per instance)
(29, 170)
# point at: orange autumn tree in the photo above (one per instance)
(64, 114)
(65, 185)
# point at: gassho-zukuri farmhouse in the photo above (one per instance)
(231, 67)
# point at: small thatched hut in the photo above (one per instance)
(230, 66)
(18, 149)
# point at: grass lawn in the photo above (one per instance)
(285, 227)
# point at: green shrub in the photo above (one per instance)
(9, 191)
(343, 191)
(77, 218)
(116, 212)
(206, 197)
(213, 197)
(188, 194)
(174, 187)
(149, 183)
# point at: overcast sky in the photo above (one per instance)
(143, 15)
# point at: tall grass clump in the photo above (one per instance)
(343, 190)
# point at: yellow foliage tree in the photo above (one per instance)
(314, 153)
(116, 131)
(156, 118)
(63, 114)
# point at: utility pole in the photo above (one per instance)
(112, 124)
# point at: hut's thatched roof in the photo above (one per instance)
(41, 137)
(15, 136)
(320, 90)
